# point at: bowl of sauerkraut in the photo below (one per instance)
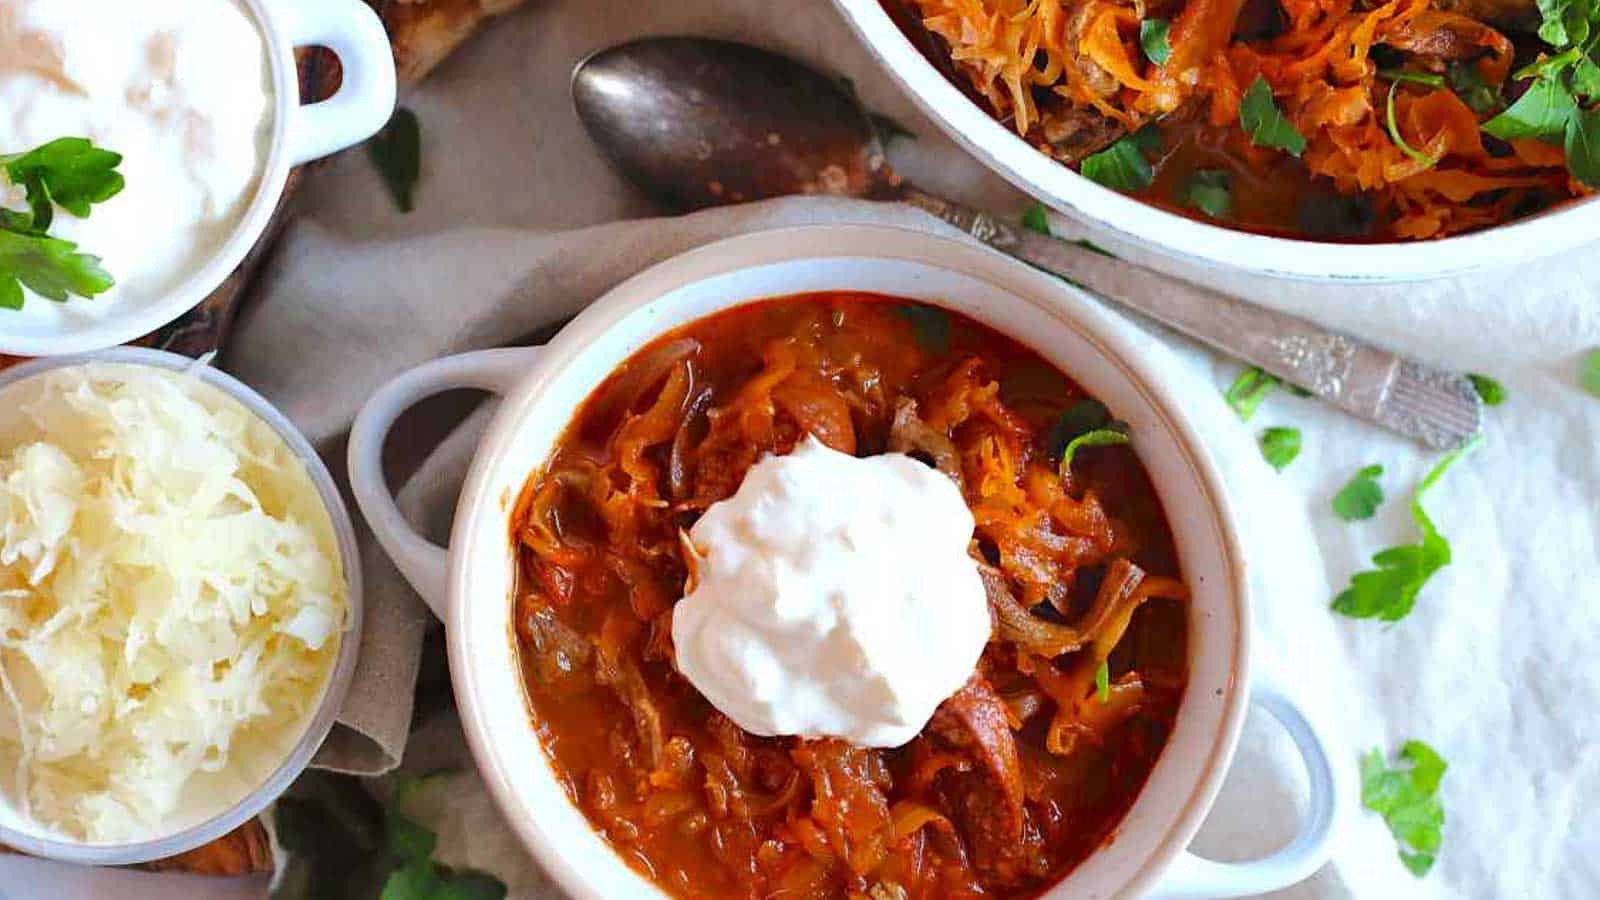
(180, 600)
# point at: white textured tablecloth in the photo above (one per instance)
(1498, 667)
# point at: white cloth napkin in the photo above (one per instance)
(520, 222)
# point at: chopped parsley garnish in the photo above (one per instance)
(1491, 392)
(1541, 112)
(1589, 371)
(1102, 682)
(417, 876)
(1114, 434)
(1389, 592)
(1361, 496)
(1153, 39)
(1037, 220)
(1123, 166)
(1211, 192)
(1551, 109)
(339, 842)
(396, 151)
(1266, 125)
(1248, 390)
(1395, 80)
(1469, 84)
(1408, 800)
(1280, 446)
(71, 173)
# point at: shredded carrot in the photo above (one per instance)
(1045, 65)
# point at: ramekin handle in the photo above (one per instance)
(423, 563)
(1193, 876)
(365, 98)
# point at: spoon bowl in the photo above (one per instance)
(699, 122)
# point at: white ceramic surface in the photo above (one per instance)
(299, 134)
(471, 585)
(998, 146)
(28, 837)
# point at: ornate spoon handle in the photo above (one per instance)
(1441, 409)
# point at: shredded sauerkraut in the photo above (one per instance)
(171, 600)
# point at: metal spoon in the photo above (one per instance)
(698, 122)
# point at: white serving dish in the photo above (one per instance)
(28, 837)
(471, 586)
(299, 134)
(997, 146)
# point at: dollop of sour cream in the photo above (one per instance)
(180, 88)
(832, 596)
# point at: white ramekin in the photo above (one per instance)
(471, 586)
(300, 134)
(29, 839)
(997, 146)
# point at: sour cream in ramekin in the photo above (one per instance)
(180, 88)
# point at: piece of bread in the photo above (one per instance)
(424, 32)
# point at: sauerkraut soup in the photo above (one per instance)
(764, 537)
(173, 602)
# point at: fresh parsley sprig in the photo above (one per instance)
(1407, 798)
(71, 173)
(1389, 592)
(1556, 107)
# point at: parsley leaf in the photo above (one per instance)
(1280, 446)
(1586, 79)
(396, 151)
(1153, 38)
(417, 876)
(1541, 112)
(1248, 390)
(1121, 166)
(1492, 392)
(1113, 435)
(1211, 192)
(1260, 118)
(1565, 22)
(1469, 84)
(1408, 801)
(50, 267)
(1582, 146)
(1389, 592)
(1036, 219)
(1589, 371)
(71, 172)
(1102, 682)
(1361, 496)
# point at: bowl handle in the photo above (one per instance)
(1193, 876)
(366, 96)
(423, 563)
